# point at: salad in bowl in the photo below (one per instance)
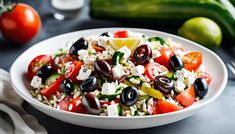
(122, 73)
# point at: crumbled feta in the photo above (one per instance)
(126, 51)
(107, 54)
(103, 41)
(36, 82)
(179, 86)
(156, 54)
(108, 88)
(84, 73)
(138, 70)
(90, 60)
(179, 52)
(185, 76)
(112, 110)
(83, 54)
(169, 99)
(189, 80)
(118, 71)
(134, 34)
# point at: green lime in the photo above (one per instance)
(203, 31)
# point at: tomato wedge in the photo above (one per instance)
(37, 63)
(75, 105)
(53, 88)
(165, 57)
(192, 60)
(72, 71)
(121, 34)
(98, 48)
(205, 76)
(155, 109)
(187, 98)
(166, 107)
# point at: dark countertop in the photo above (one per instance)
(217, 118)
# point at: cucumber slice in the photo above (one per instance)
(119, 108)
(51, 79)
(109, 97)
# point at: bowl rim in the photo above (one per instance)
(37, 103)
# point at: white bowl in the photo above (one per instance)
(214, 66)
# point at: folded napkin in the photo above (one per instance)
(13, 118)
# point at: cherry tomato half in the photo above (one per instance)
(37, 63)
(192, 60)
(187, 98)
(72, 71)
(121, 34)
(166, 107)
(151, 67)
(20, 25)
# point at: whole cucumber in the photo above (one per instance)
(166, 11)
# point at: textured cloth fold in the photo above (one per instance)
(13, 118)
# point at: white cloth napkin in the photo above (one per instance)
(13, 118)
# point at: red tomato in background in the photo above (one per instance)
(166, 107)
(192, 60)
(37, 63)
(20, 25)
(121, 34)
(187, 98)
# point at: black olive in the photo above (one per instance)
(89, 84)
(66, 86)
(78, 45)
(129, 96)
(176, 62)
(163, 84)
(201, 87)
(91, 103)
(102, 68)
(106, 34)
(142, 54)
(45, 71)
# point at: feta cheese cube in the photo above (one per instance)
(126, 51)
(156, 54)
(179, 86)
(138, 70)
(36, 82)
(189, 80)
(103, 41)
(112, 110)
(118, 71)
(84, 73)
(108, 89)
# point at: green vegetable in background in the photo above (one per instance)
(203, 31)
(167, 11)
